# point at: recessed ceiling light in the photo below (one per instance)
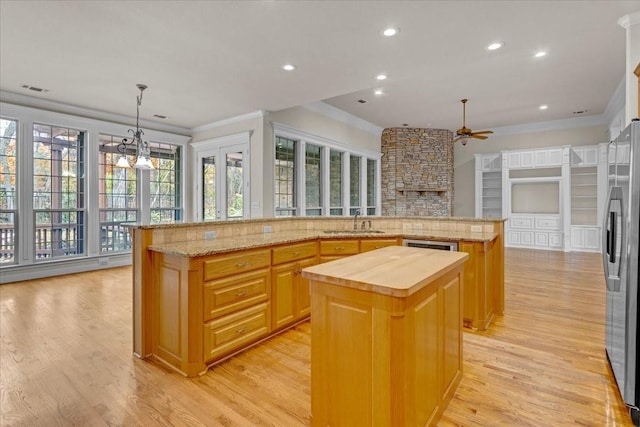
(543, 107)
(381, 76)
(540, 54)
(390, 32)
(495, 45)
(378, 92)
(288, 67)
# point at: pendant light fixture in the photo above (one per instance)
(143, 152)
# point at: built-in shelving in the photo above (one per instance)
(584, 195)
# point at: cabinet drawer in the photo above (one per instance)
(522, 222)
(372, 244)
(226, 265)
(294, 252)
(339, 247)
(548, 223)
(227, 334)
(225, 296)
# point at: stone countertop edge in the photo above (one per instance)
(198, 248)
(136, 225)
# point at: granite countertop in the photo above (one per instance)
(137, 225)
(419, 267)
(196, 248)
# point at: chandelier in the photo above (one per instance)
(143, 152)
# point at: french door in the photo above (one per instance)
(222, 181)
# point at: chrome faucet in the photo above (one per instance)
(355, 220)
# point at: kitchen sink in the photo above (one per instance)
(353, 231)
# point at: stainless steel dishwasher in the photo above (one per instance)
(431, 244)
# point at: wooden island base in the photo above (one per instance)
(386, 337)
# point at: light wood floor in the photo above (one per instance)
(66, 359)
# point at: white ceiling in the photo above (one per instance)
(206, 61)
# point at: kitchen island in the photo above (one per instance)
(198, 301)
(386, 336)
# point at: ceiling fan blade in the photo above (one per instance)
(481, 132)
(473, 135)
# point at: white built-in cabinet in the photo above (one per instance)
(552, 197)
(488, 186)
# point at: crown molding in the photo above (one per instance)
(59, 107)
(344, 117)
(572, 123)
(230, 120)
(630, 19)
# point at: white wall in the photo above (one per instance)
(254, 125)
(262, 145)
(464, 163)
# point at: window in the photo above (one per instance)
(318, 177)
(335, 182)
(209, 188)
(58, 191)
(284, 177)
(117, 203)
(235, 185)
(165, 183)
(8, 208)
(354, 184)
(371, 187)
(313, 189)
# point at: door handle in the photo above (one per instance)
(611, 244)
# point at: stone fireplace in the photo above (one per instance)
(417, 172)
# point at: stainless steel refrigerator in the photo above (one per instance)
(620, 259)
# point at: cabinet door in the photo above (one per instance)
(513, 160)
(592, 238)
(556, 240)
(541, 158)
(526, 159)
(303, 306)
(513, 237)
(590, 156)
(577, 238)
(542, 239)
(554, 157)
(526, 238)
(282, 295)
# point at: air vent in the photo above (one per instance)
(580, 111)
(362, 101)
(35, 89)
(160, 116)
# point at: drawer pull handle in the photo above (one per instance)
(339, 248)
(241, 293)
(296, 253)
(242, 264)
(241, 330)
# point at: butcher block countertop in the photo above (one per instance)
(397, 271)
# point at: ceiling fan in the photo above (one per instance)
(464, 133)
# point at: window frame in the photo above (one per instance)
(301, 139)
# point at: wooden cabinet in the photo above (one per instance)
(230, 333)
(236, 306)
(483, 298)
(290, 291)
(367, 245)
(378, 357)
(338, 248)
